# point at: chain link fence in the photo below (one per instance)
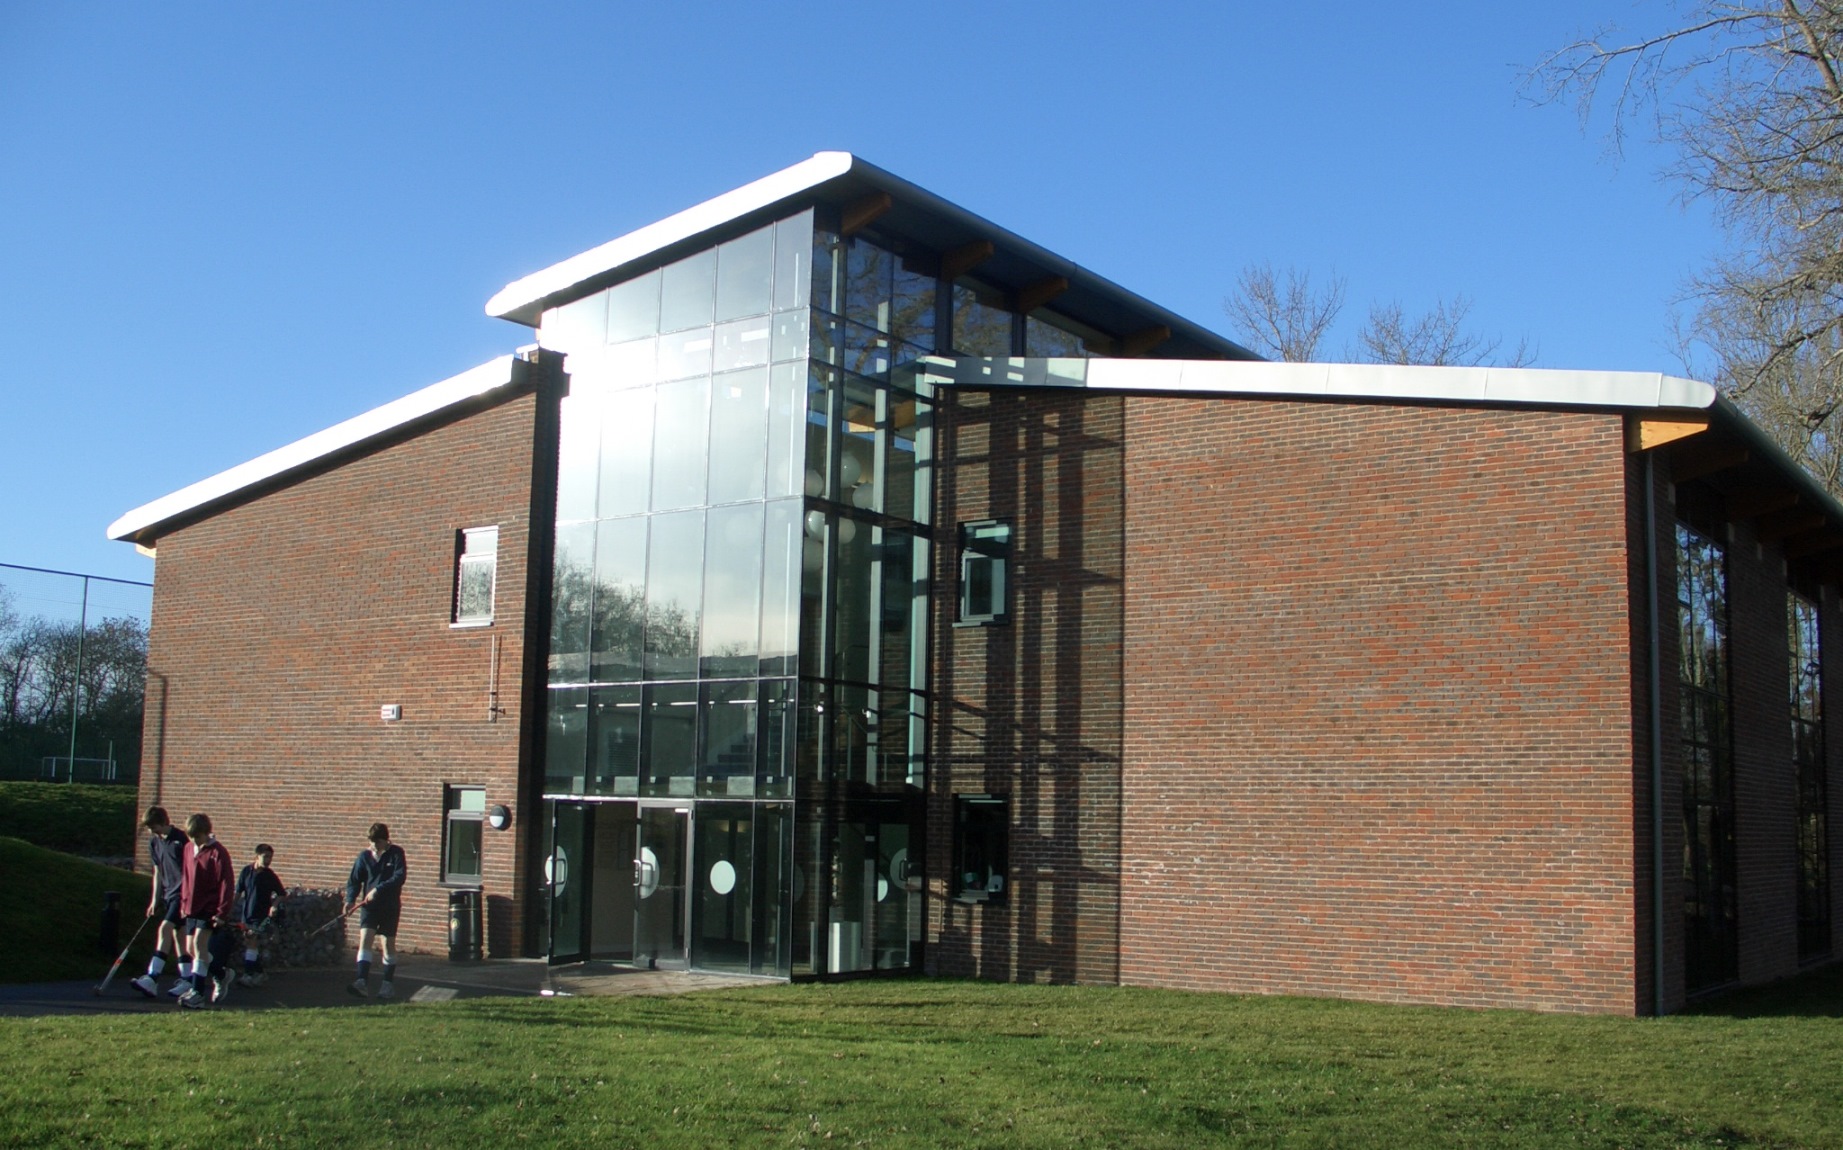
(73, 665)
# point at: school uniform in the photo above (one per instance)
(382, 877)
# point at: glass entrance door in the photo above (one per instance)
(659, 887)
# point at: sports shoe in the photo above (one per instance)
(146, 985)
(252, 978)
(357, 987)
(220, 986)
(180, 988)
(192, 1000)
(385, 990)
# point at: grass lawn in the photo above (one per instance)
(77, 818)
(926, 1063)
(51, 913)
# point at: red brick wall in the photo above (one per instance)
(1031, 710)
(281, 625)
(1379, 700)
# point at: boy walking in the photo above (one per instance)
(166, 846)
(207, 893)
(257, 889)
(375, 887)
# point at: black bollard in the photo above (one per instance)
(111, 922)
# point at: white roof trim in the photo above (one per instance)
(303, 452)
(1518, 385)
(520, 300)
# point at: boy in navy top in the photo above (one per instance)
(166, 846)
(206, 895)
(376, 888)
(257, 889)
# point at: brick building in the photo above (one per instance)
(845, 585)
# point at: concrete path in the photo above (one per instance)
(420, 978)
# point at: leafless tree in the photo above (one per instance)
(1436, 338)
(1749, 96)
(1281, 315)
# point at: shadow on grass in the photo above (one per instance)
(1814, 993)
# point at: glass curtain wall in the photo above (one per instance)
(1710, 945)
(1807, 679)
(739, 606)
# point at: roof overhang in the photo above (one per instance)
(842, 180)
(479, 385)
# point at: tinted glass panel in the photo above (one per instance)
(566, 741)
(981, 325)
(776, 738)
(742, 343)
(685, 353)
(726, 739)
(614, 753)
(793, 244)
(786, 429)
(572, 601)
(781, 559)
(867, 284)
(671, 739)
(912, 307)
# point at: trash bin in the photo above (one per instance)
(464, 926)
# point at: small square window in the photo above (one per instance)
(985, 576)
(981, 829)
(463, 823)
(476, 572)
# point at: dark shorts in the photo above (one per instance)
(380, 917)
(193, 924)
(169, 912)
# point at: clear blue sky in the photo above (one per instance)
(226, 226)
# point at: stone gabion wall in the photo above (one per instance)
(296, 939)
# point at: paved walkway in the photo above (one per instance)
(420, 978)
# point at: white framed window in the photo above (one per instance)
(464, 819)
(476, 572)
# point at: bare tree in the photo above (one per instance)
(1282, 316)
(1749, 95)
(1435, 338)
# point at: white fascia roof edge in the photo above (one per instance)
(522, 299)
(302, 453)
(1515, 385)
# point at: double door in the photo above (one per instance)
(668, 884)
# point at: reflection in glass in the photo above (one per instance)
(681, 430)
(1051, 335)
(674, 594)
(781, 560)
(633, 308)
(787, 335)
(867, 283)
(776, 738)
(981, 325)
(614, 752)
(742, 343)
(685, 353)
(732, 591)
(619, 629)
(745, 268)
(572, 603)
(723, 894)
(738, 435)
(793, 240)
(582, 324)
(688, 292)
(726, 739)
(671, 739)
(786, 429)
(566, 740)
(912, 307)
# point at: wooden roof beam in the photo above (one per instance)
(965, 258)
(863, 212)
(1144, 340)
(1785, 524)
(1754, 502)
(1710, 461)
(1642, 433)
(1034, 296)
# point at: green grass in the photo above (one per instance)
(51, 913)
(927, 1064)
(77, 818)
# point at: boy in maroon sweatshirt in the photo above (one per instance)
(207, 892)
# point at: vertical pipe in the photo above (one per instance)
(76, 678)
(1656, 724)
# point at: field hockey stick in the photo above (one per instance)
(332, 922)
(122, 957)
